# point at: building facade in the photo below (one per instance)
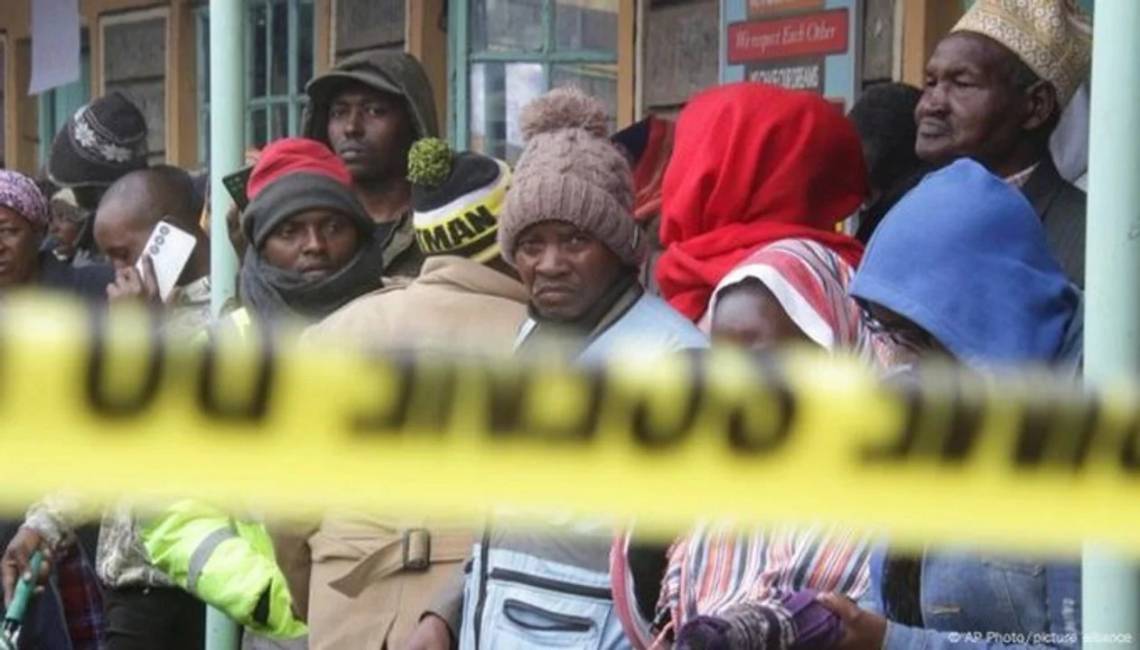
(485, 58)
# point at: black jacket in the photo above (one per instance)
(88, 282)
(1061, 207)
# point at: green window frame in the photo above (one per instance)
(55, 106)
(554, 60)
(274, 81)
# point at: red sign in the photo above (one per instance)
(806, 35)
(758, 8)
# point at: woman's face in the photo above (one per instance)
(19, 249)
(749, 315)
(314, 243)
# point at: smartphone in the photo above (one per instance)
(235, 184)
(169, 249)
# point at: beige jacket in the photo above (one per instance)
(361, 574)
(454, 305)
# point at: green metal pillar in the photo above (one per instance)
(1110, 583)
(221, 632)
(227, 137)
(227, 144)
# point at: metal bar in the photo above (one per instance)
(221, 632)
(459, 72)
(202, 25)
(548, 27)
(270, 9)
(227, 138)
(294, 55)
(1110, 585)
(46, 126)
(578, 56)
(549, 50)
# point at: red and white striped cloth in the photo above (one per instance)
(718, 566)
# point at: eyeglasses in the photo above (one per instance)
(899, 331)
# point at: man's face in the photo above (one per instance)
(120, 234)
(314, 243)
(565, 270)
(371, 131)
(19, 248)
(970, 106)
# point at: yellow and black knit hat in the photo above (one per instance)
(456, 200)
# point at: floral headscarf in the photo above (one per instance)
(19, 193)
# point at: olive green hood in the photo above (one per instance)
(390, 72)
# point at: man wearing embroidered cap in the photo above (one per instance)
(995, 88)
(466, 299)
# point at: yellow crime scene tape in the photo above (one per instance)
(99, 404)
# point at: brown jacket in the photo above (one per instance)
(361, 592)
(455, 305)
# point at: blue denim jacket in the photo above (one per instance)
(974, 601)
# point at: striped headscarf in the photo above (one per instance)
(721, 571)
(810, 281)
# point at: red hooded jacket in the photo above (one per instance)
(753, 164)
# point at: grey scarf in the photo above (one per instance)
(273, 293)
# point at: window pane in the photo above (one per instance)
(305, 45)
(203, 19)
(258, 127)
(279, 51)
(279, 124)
(204, 49)
(506, 25)
(258, 23)
(596, 79)
(498, 93)
(586, 24)
(296, 130)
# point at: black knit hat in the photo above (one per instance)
(456, 200)
(102, 142)
(296, 193)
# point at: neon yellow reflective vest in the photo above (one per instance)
(225, 562)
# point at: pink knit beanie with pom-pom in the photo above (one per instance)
(570, 171)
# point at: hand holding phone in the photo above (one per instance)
(236, 186)
(131, 283)
(168, 251)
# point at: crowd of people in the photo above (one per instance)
(928, 222)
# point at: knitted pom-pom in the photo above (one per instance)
(429, 162)
(563, 108)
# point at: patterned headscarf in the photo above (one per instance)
(1052, 37)
(19, 193)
